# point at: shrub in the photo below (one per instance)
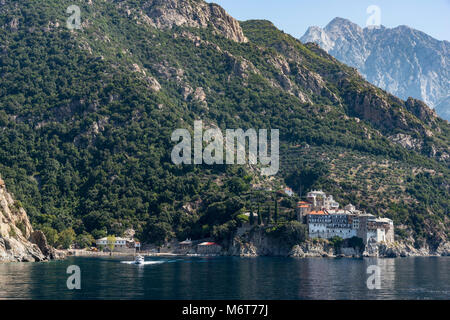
(243, 218)
(336, 242)
(292, 232)
(50, 234)
(12, 233)
(224, 231)
(21, 226)
(84, 240)
(158, 233)
(356, 242)
(66, 238)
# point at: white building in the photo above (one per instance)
(319, 200)
(186, 244)
(328, 224)
(350, 207)
(119, 242)
(288, 191)
(380, 230)
(345, 223)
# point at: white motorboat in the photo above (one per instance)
(139, 259)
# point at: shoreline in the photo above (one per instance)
(91, 254)
(85, 253)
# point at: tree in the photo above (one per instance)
(237, 185)
(66, 238)
(158, 233)
(50, 234)
(84, 240)
(224, 231)
(97, 234)
(251, 219)
(111, 241)
(269, 215)
(3, 118)
(356, 242)
(292, 232)
(276, 209)
(336, 242)
(259, 216)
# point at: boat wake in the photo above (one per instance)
(142, 263)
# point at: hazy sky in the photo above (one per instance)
(295, 16)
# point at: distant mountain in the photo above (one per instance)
(404, 61)
(443, 109)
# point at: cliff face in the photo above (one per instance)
(256, 243)
(402, 249)
(253, 242)
(164, 14)
(16, 233)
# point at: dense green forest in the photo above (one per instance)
(86, 118)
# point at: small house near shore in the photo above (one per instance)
(186, 244)
(119, 243)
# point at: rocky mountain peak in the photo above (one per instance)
(318, 35)
(340, 24)
(401, 60)
(164, 14)
(420, 110)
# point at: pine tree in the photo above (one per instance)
(276, 210)
(269, 215)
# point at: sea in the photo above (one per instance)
(212, 278)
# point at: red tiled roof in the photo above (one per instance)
(303, 204)
(208, 244)
(318, 212)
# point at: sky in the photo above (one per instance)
(295, 16)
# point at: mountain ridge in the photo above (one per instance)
(401, 60)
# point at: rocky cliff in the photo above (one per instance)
(401, 60)
(404, 249)
(165, 14)
(18, 241)
(256, 243)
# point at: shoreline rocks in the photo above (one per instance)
(400, 249)
(18, 241)
(13, 250)
(257, 244)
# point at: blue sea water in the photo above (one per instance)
(228, 278)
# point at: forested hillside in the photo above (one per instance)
(86, 118)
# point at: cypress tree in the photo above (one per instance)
(259, 217)
(276, 210)
(269, 215)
